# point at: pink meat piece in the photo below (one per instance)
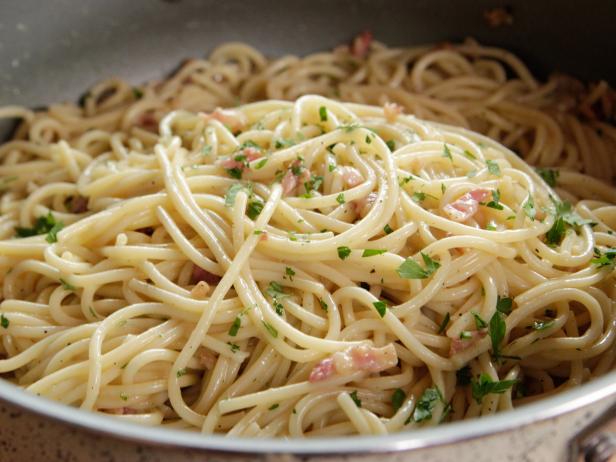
(199, 274)
(252, 153)
(363, 357)
(351, 176)
(361, 44)
(391, 111)
(233, 119)
(289, 183)
(364, 204)
(466, 205)
(461, 344)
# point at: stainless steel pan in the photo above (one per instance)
(54, 50)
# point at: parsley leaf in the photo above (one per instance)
(397, 399)
(479, 322)
(253, 209)
(497, 330)
(470, 155)
(372, 252)
(355, 398)
(529, 208)
(607, 258)
(425, 405)
(444, 324)
(235, 327)
(410, 269)
(485, 386)
(271, 329)
(418, 196)
(447, 152)
(45, 224)
(504, 304)
(323, 305)
(289, 272)
(234, 347)
(66, 285)
(137, 93)
(4, 321)
(282, 143)
(232, 192)
(391, 144)
(340, 198)
(275, 290)
(549, 176)
(542, 325)
(343, 252)
(495, 202)
(380, 307)
(387, 229)
(565, 218)
(259, 165)
(273, 406)
(234, 172)
(493, 167)
(323, 113)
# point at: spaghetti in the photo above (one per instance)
(307, 268)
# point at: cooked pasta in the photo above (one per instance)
(314, 267)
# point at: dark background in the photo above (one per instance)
(52, 50)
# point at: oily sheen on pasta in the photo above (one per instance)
(297, 269)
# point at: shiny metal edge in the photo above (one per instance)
(563, 403)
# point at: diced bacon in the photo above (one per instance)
(233, 119)
(361, 44)
(364, 204)
(359, 358)
(123, 411)
(200, 290)
(206, 358)
(351, 176)
(461, 344)
(466, 205)
(232, 163)
(148, 122)
(391, 111)
(289, 183)
(199, 274)
(252, 153)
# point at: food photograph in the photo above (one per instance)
(340, 230)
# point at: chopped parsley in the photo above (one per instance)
(206, 150)
(529, 208)
(372, 252)
(504, 304)
(418, 196)
(485, 386)
(180, 372)
(313, 184)
(565, 218)
(289, 272)
(479, 321)
(324, 306)
(124, 396)
(283, 143)
(466, 335)
(368, 139)
(495, 202)
(232, 192)
(4, 321)
(254, 208)
(343, 252)
(603, 259)
(410, 269)
(447, 152)
(275, 290)
(66, 285)
(391, 144)
(387, 229)
(137, 93)
(45, 224)
(271, 329)
(234, 172)
(323, 113)
(444, 324)
(234, 347)
(340, 198)
(381, 308)
(235, 326)
(493, 167)
(497, 330)
(549, 176)
(397, 399)
(469, 154)
(273, 406)
(355, 398)
(426, 403)
(259, 165)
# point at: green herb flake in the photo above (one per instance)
(410, 269)
(232, 192)
(497, 330)
(234, 172)
(387, 229)
(271, 329)
(426, 403)
(275, 290)
(381, 308)
(324, 306)
(443, 326)
(529, 208)
(485, 386)
(565, 218)
(493, 167)
(283, 143)
(418, 197)
(340, 198)
(234, 347)
(397, 399)
(124, 396)
(542, 325)
(343, 252)
(495, 202)
(355, 398)
(466, 335)
(549, 176)
(66, 285)
(469, 155)
(323, 113)
(254, 208)
(259, 165)
(4, 321)
(368, 139)
(373, 252)
(181, 372)
(235, 326)
(504, 304)
(447, 152)
(479, 322)
(289, 272)
(273, 406)
(137, 93)
(45, 224)
(604, 259)
(391, 144)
